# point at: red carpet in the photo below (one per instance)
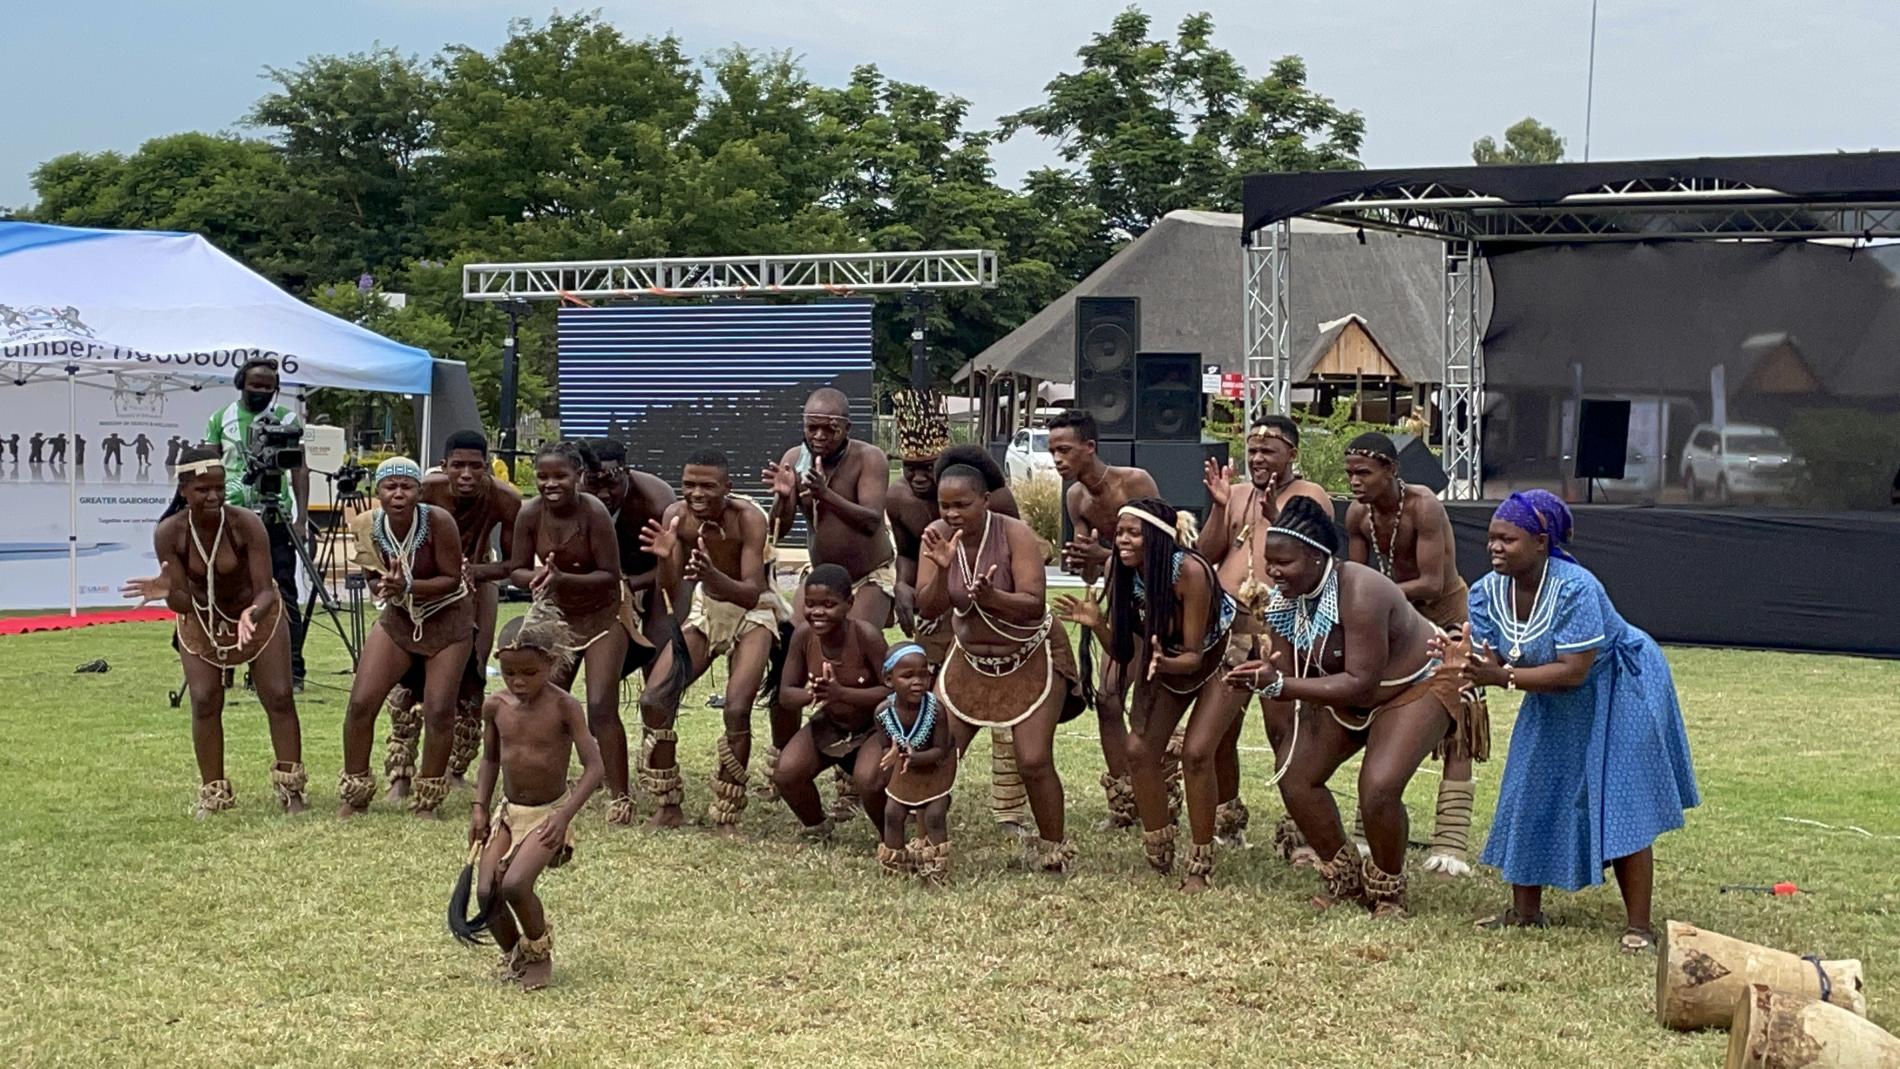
(20, 625)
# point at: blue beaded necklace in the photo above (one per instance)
(919, 733)
(1305, 621)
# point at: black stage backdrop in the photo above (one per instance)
(1767, 579)
(669, 379)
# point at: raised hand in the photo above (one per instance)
(822, 683)
(149, 588)
(813, 487)
(1082, 612)
(660, 539)
(984, 582)
(1270, 499)
(1219, 480)
(699, 563)
(1083, 551)
(942, 551)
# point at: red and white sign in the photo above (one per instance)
(1233, 386)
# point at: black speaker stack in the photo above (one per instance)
(1147, 405)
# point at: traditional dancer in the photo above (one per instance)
(717, 542)
(428, 614)
(634, 498)
(214, 572)
(835, 665)
(1098, 492)
(1349, 646)
(532, 730)
(923, 440)
(1234, 538)
(571, 534)
(1010, 664)
(921, 757)
(1599, 763)
(1167, 627)
(484, 510)
(1404, 532)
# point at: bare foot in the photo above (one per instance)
(534, 975)
(670, 816)
(1194, 885)
(398, 789)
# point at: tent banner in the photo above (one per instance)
(119, 452)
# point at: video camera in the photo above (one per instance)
(351, 476)
(274, 449)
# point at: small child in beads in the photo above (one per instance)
(922, 760)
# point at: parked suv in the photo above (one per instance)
(1737, 461)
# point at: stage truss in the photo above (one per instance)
(1655, 209)
(837, 274)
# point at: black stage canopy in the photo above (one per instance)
(1837, 178)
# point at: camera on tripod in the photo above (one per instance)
(350, 477)
(274, 449)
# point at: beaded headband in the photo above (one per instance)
(199, 467)
(1268, 430)
(1372, 454)
(1181, 530)
(901, 651)
(397, 466)
(1291, 533)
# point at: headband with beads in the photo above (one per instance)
(1291, 533)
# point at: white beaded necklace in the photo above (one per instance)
(1522, 632)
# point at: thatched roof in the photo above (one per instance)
(1186, 270)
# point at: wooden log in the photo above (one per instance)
(1700, 976)
(1775, 1030)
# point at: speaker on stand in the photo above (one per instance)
(1107, 336)
(1603, 437)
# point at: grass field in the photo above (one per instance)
(141, 937)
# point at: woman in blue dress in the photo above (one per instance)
(1599, 762)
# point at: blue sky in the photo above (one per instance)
(1674, 77)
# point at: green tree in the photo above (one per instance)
(1157, 125)
(355, 132)
(1525, 141)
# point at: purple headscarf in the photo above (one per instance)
(1541, 513)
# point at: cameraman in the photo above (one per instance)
(230, 431)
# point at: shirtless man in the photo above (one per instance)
(480, 506)
(717, 543)
(634, 498)
(1403, 531)
(1097, 494)
(1234, 541)
(923, 441)
(839, 486)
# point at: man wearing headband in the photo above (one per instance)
(839, 486)
(230, 431)
(1599, 764)
(1234, 538)
(428, 616)
(1096, 493)
(923, 446)
(1404, 532)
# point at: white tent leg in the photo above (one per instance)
(428, 430)
(72, 493)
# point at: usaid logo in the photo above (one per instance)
(37, 322)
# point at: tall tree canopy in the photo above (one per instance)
(1525, 141)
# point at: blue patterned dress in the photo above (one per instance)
(1595, 773)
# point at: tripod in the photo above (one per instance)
(270, 506)
(328, 551)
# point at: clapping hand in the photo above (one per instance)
(821, 685)
(1083, 552)
(660, 539)
(896, 757)
(149, 588)
(983, 583)
(1219, 480)
(942, 551)
(813, 487)
(782, 478)
(699, 564)
(1082, 612)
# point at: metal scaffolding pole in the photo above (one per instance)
(1268, 317)
(1461, 398)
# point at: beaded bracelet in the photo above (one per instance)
(1273, 689)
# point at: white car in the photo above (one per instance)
(1028, 456)
(1739, 460)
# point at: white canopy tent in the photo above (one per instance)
(146, 311)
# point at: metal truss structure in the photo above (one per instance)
(837, 274)
(1653, 209)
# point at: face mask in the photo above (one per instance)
(256, 401)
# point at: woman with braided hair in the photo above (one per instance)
(428, 615)
(1166, 629)
(1358, 661)
(1010, 664)
(214, 572)
(1599, 764)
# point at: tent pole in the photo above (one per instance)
(72, 494)
(427, 444)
